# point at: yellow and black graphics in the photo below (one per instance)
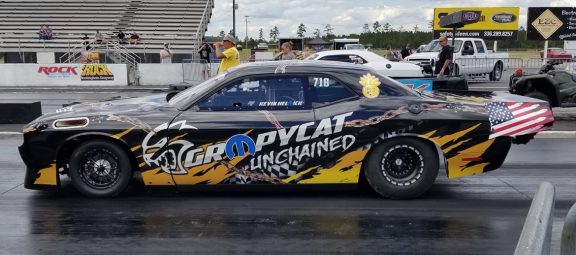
(96, 72)
(289, 155)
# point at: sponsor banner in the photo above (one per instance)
(485, 34)
(495, 23)
(96, 72)
(551, 23)
(63, 75)
(418, 85)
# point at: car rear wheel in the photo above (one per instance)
(402, 168)
(496, 73)
(539, 95)
(100, 168)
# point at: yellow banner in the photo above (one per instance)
(491, 18)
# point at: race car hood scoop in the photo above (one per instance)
(509, 115)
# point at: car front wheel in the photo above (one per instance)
(402, 168)
(100, 168)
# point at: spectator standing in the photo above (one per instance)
(98, 37)
(85, 56)
(407, 51)
(94, 56)
(285, 52)
(230, 56)
(205, 51)
(166, 54)
(389, 53)
(444, 57)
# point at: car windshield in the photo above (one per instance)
(183, 97)
(434, 46)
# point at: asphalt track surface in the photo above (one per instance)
(481, 214)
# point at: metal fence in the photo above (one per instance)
(500, 69)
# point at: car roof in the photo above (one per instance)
(309, 65)
(336, 52)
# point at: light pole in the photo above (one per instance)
(234, 7)
(246, 19)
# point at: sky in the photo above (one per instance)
(345, 17)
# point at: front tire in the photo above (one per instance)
(402, 168)
(100, 168)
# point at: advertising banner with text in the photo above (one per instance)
(496, 23)
(63, 75)
(551, 23)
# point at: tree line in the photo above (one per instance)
(381, 36)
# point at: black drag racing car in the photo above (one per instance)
(284, 123)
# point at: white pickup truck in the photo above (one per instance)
(472, 58)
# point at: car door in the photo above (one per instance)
(334, 104)
(467, 61)
(485, 64)
(244, 132)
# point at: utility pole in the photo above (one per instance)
(234, 7)
(246, 19)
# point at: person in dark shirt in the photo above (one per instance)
(407, 51)
(205, 51)
(121, 37)
(444, 57)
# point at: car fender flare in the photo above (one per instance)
(387, 137)
(73, 141)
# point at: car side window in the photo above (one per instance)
(258, 93)
(468, 47)
(479, 46)
(340, 58)
(328, 90)
(357, 59)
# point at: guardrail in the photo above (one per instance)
(500, 69)
(537, 231)
(568, 239)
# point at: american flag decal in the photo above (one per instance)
(513, 119)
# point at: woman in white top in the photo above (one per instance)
(166, 55)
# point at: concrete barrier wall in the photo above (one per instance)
(160, 74)
(63, 75)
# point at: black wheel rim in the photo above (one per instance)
(402, 165)
(100, 168)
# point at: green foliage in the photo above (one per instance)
(274, 33)
(261, 35)
(301, 30)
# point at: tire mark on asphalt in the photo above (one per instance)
(514, 188)
(11, 189)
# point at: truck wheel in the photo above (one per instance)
(496, 73)
(100, 168)
(539, 95)
(402, 168)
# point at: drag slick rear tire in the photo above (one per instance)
(100, 168)
(402, 168)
